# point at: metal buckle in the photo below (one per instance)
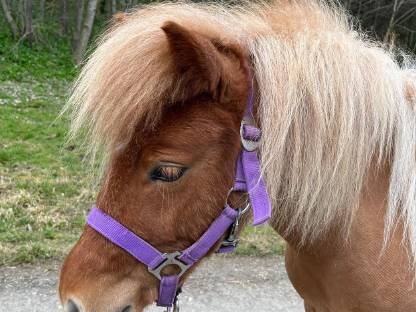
(171, 259)
(232, 237)
(248, 145)
(175, 307)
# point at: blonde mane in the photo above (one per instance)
(331, 103)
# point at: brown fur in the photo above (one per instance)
(333, 275)
(119, 18)
(337, 151)
(201, 132)
(410, 86)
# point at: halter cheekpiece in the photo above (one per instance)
(248, 179)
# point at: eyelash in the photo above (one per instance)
(167, 173)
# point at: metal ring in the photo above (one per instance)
(242, 210)
(246, 208)
(228, 195)
(248, 145)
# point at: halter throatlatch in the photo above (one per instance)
(248, 179)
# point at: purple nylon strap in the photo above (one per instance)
(167, 290)
(256, 187)
(121, 236)
(216, 230)
(248, 179)
(150, 256)
(248, 172)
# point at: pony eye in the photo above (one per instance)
(167, 173)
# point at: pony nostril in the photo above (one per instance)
(127, 309)
(72, 307)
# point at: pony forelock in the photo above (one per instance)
(332, 104)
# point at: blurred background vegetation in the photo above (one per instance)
(44, 191)
(72, 22)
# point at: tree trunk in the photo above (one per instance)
(64, 17)
(113, 7)
(9, 18)
(78, 23)
(21, 7)
(82, 44)
(389, 36)
(41, 9)
(29, 22)
(123, 5)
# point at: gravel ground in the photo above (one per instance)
(225, 284)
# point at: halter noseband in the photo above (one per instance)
(247, 179)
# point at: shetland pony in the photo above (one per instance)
(162, 97)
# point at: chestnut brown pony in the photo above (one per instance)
(162, 98)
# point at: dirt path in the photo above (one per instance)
(222, 284)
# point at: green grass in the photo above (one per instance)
(260, 241)
(42, 62)
(44, 192)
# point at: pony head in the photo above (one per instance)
(167, 107)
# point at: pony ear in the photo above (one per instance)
(200, 65)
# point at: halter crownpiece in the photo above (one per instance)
(248, 179)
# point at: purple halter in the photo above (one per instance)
(247, 179)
